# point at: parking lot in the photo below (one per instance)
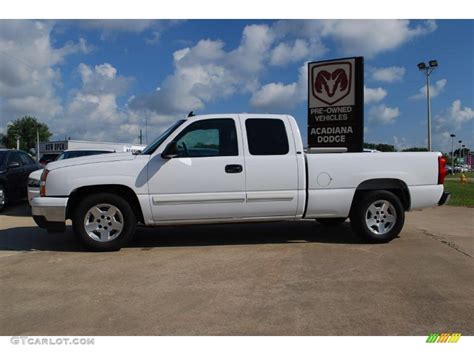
(295, 278)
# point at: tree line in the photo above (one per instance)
(24, 129)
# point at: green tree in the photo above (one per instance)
(25, 128)
(415, 149)
(380, 146)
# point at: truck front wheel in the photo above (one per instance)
(378, 216)
(104, 222)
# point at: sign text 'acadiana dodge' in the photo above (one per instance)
(335, 103)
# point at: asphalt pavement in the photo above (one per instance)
(288, 278)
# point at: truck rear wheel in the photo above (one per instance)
(104, 222)
(378, 216)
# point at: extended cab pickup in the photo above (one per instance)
(235, 168)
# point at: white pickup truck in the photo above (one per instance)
(232, 168)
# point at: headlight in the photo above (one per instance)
(33, 182)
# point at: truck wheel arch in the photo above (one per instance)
(396, 186)
(121, 190)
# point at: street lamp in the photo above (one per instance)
(452, 153)
(462, 153)
(427, 70)
(459, 148)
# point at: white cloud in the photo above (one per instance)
(136, 26)
(455, 119)
(296, 51)
(206, 72)
(111, 27)
(435, 90)
(374, 95)
(103, 79)
(383, 114)
(93, 108)
(276, 96)
(400, 143)
(371, 37)
(358, 37)
(388, 74)
(285, 53)
(29, 73)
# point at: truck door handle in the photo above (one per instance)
(233, 169)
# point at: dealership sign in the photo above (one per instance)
(335, 103)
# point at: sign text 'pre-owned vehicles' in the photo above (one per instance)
(235, 168)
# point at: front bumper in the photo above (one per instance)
(32, 193)
(444, 198)
(49, 212)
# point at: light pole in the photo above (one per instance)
(459, 150)
(452, 153)
(462, 153)
(37, 143)
(427, 70)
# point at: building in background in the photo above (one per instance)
(51, 150)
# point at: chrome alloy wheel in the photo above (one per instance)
(381, 217)
(103, 222)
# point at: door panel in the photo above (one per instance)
(270, 167)
(197, 184)
(16, 178)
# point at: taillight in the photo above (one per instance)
(441, 170)
(44, 176)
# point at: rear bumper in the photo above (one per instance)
(444, 198)
(49, 212)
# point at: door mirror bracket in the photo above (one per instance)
(171, 151)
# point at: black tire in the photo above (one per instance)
(331, 222)
(360, 212)
(126, 213)
(3, 198)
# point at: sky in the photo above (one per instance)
(106, 79)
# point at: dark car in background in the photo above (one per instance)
(47, 158)
(68, 154)
(15, 166)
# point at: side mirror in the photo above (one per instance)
(170, 152)
(13, 164)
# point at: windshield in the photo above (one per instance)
(152, 147)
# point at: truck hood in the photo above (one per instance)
(92, 159)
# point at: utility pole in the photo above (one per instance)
(146, 127)
(459, 150)
(141, 136)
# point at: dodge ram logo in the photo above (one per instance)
(331, 82)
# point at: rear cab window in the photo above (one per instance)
(266, 136)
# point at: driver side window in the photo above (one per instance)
(208, 138)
